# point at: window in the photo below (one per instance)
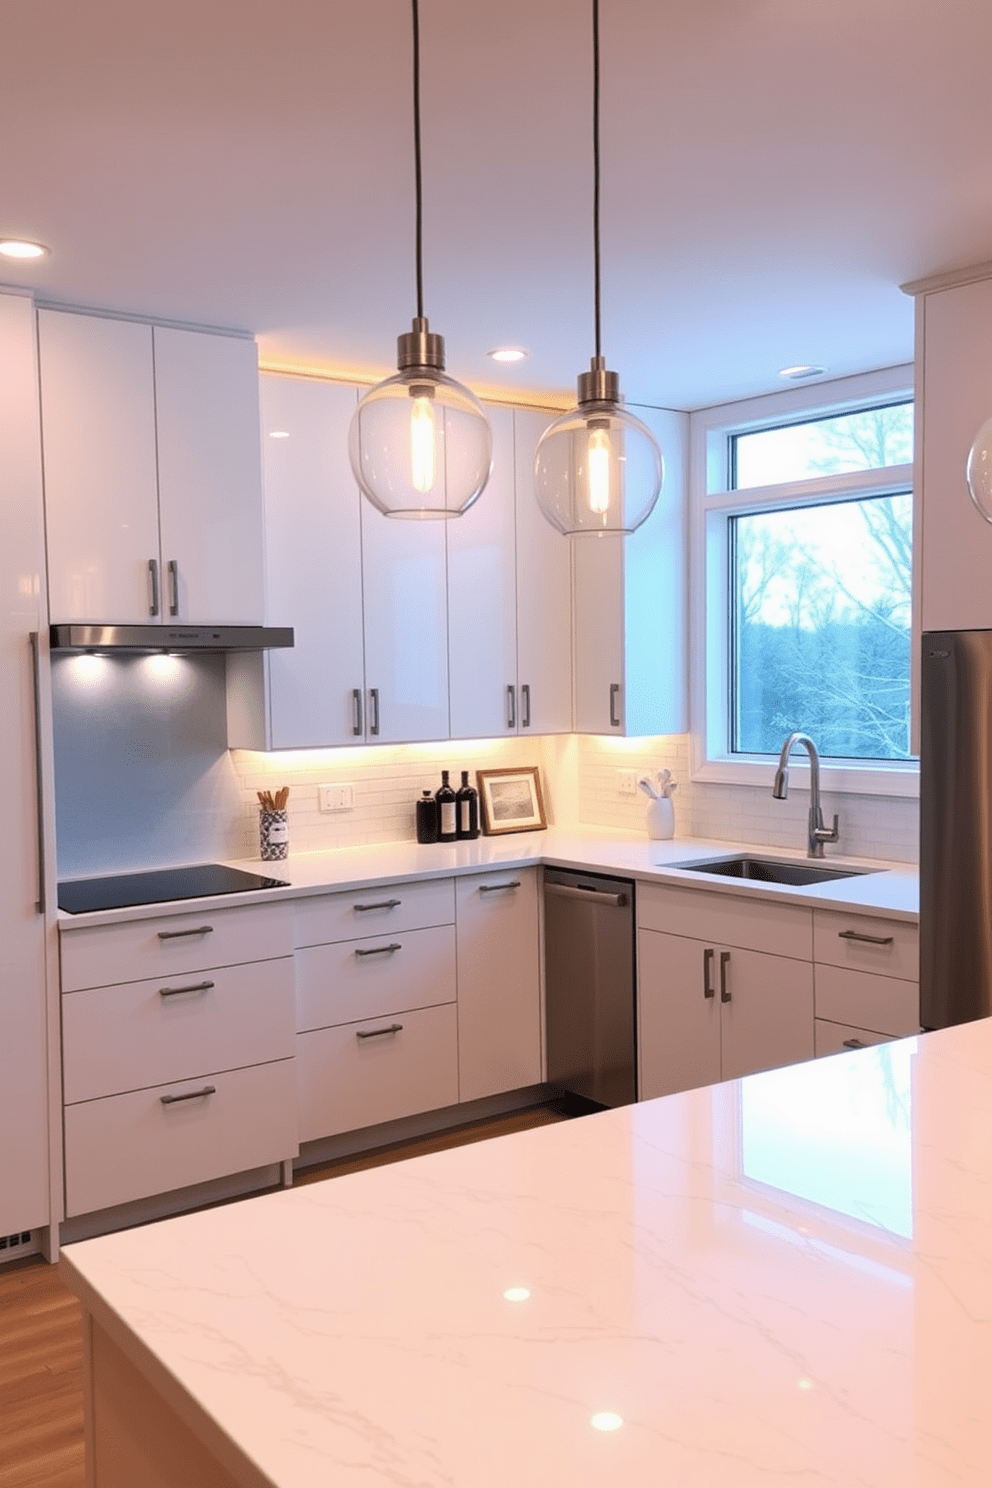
(802, 584)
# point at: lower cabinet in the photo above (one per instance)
(499, 983)
(867, 980)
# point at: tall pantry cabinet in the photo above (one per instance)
(25, 883)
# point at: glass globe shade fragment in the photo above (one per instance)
(979, 470)
(598, 469)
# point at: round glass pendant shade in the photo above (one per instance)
(421, 446)
(979, 470)
(598, 471)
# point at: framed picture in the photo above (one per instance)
(511, 800)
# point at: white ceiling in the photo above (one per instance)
(772, 171)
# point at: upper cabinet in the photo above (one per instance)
(509, 592)
(954, 398)
(152, 472)
(630, 631)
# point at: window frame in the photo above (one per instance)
(711, 503)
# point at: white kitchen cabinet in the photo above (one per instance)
(629, 604)
(178, 1038)
(152, 472)
(499, 982)
(24, 1146)
(954, 398)
(866, 975)
(509, 599)
(725, 988)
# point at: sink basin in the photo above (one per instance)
(772, 870)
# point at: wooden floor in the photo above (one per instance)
(41, 1368)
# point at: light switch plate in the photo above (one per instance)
(336, 797)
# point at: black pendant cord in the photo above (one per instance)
(595, 162)
(417, 161)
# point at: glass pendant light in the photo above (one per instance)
(979, 470)
(420, 443)
(598, 469)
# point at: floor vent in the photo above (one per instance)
(15, 1242)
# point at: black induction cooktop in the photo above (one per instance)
(122, 890)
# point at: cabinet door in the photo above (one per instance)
(406, 628)
(767, 1019)
(313, 558)
(956, 541)
(482, 627)
(499, 983)
(101, 490)
(210, 481)
(599, 635)
(678, 1025)
(544, 596)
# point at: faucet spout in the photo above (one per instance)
(818, 833)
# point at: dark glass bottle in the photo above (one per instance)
(468, 810)
(447, 811)
(427, 818)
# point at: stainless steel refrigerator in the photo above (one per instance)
(956, 827)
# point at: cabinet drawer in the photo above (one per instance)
(146, 1033)
(173, 945)
(864, 943)
(883, 1003)
(132, 1146)
(354, 979)
(346, 1082)
(726, 919)
(374, 911)
(840, 1038)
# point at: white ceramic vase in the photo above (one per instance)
(661, 818)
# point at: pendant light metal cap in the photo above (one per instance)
(598, 385)
(420, 347)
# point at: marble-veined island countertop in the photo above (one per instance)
(783, 1279)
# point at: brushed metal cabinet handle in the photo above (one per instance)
(614, 699)
(356, 699)
(193, 987)
(373, 710)
(363, 1033)
(173, 1100)
(382, 904)
(724, 963)
(174, 586)
(39, 767)
(153, 604)
(590, 896)
(855, 1044)
(379, 950)
(708, 954)
(525, 704)
(511, 706)
(181, 934)
(499, 888)
(882, 940)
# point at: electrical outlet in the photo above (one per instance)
(626, 782)
(336, 797)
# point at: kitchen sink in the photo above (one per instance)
(772, 870)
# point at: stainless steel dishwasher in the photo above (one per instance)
(589, 986)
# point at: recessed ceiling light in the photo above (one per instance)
(606, 1421)
(19, 248)
(804, 369)
(507, 353)
(279, 434)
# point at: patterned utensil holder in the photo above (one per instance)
(273, 829)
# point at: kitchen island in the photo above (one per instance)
(783, 1278)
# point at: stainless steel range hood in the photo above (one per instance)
(150, 638)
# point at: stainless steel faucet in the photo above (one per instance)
(818, 833)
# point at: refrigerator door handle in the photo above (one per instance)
(39, 768)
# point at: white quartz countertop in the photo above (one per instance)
(783, 1279)
(890, 890)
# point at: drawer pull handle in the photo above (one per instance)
(868, 939)
(724, 963)
(364, 1033)
(179, 934)
(855, 1044)
(498, 888)
(177, 991)
(708, 955)
(383, 904)
(379, 950)
(172, 1100)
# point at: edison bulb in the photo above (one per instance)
(599, 471)
(423, 440)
